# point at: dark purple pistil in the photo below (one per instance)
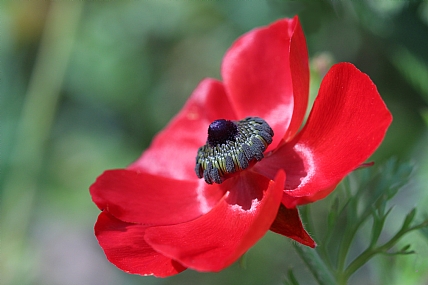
(221, 131)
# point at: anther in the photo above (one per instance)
(232, 146)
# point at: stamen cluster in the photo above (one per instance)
(234, 153)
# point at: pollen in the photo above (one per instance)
(232, 146)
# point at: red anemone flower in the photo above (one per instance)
(158, 218)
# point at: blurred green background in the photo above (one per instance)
(86, 84)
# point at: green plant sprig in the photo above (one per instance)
(367, 195)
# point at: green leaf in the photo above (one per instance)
(368, 194)
(292, 280)
(409, 219)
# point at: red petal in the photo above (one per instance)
(288, 223)
(259, 80)
(124, 246)
(153, 200)
(299, 67)
(346, 125)
(217, 239)
(173, 151)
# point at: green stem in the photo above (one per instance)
(306, 218)
(350, 232)
(315, 264)
(370, 252)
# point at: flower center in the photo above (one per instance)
(232, 146)
(221, 131)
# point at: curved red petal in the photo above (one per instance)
(288, 223)
(139, 197)
(172, 152)
(125, 247)
(217, 239)
(259, 79)
(299, 67)
(346, 125)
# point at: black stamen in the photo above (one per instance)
(232, 146)
(230, 166)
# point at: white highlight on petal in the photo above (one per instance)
(238, 209)
(204, 207)
(310, 166)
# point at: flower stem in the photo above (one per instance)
(315, 264)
